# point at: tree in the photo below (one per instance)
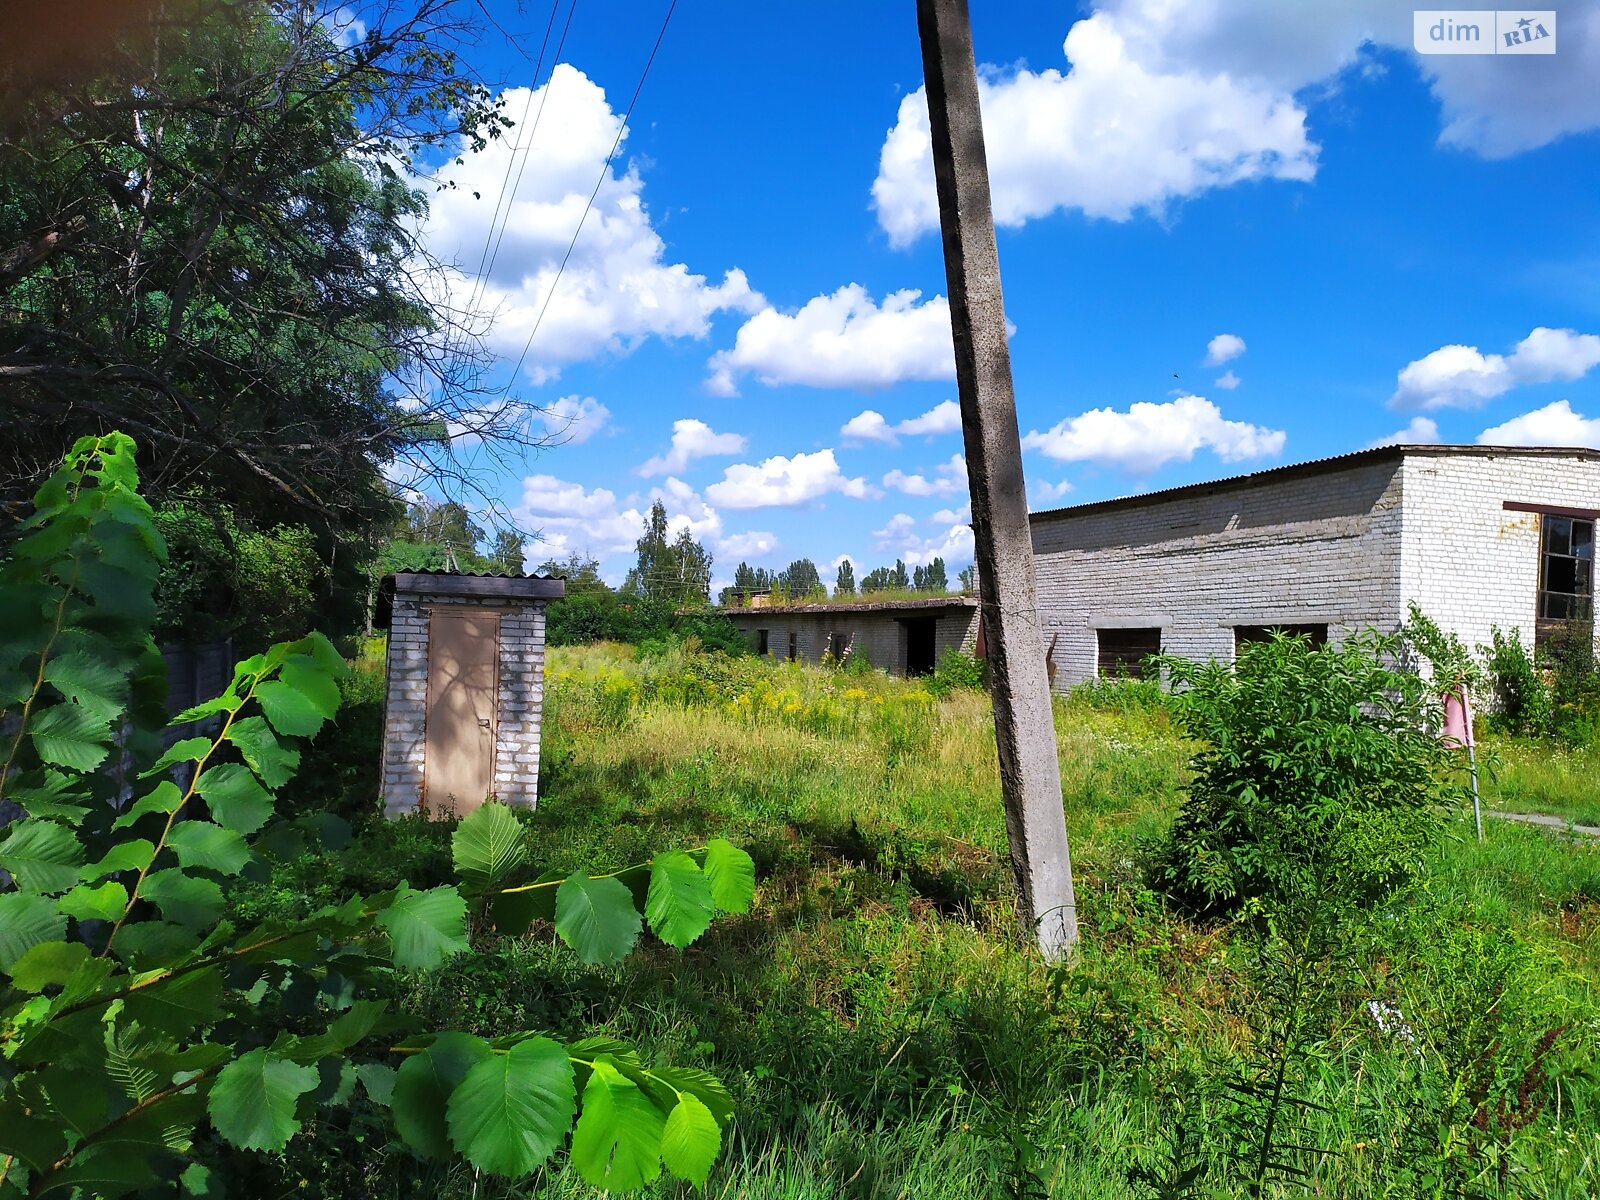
(844, 583)
(800, 579)
(506, 554)
(675, 572)
(209, 238)
(969, 579)
(931, 578)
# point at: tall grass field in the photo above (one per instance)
(882, 1021)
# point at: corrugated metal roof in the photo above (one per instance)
(1315, 466)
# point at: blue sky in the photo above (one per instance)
(1233, 235)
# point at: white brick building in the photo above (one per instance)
(465, 692)
(1478, 536)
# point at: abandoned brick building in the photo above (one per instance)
(903, 637)
(1477, 536)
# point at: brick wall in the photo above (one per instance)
(1312, 549)
(520, 701)
(1467, 561)
(1346, 548)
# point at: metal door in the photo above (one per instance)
(463, 686)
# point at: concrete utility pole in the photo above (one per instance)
(1030, 773)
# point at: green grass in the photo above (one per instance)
(883, 1024)
(1518, 775)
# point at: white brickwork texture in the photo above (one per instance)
(520, 701)
(1342, 547)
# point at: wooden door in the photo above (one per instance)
(463, 685)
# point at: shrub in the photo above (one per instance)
(1521, 700)
(1574, 687)
(1315, 776)
(957, 672)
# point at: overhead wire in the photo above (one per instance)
(604, 168)
(508, 191)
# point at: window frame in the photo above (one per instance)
(1140, 668)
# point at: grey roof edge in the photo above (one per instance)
(954, 600)
(450, 583)
(1315, 466)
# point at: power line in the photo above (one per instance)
(507, 197)
(604, 167)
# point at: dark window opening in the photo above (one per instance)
(794, 646)
(761, 641)
(1244, 635)
(1566, 569)
(838, 645)
(919, 645)
(1121, 653)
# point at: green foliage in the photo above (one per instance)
(671, 571)
(1315, 776)
(1574, 682)
(1450, 662)
(140, 1024)
(1522, 702)
(957, 671)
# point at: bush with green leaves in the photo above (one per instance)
(1316, 775)
(1521, 699)
(957, 672)
(134, 1012)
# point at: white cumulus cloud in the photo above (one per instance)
(1166, 99)
(948, 479)
(1553, 425)
(1111, 137)
(899, 537)
(1222, 348)
(1419, 431)
(753, 544)
(1228, 381)
(844, 339)
(574, 419)
(617, 288)
(1148, 436)
(691, 439)
(870, 425)
(783, 482)
(1464, 377)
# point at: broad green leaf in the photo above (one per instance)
(379, 1079)
(165, 798)
(514, 911)
(124, 856)
(679, 904)
(106, 902)
(66, 735)
(313, 681)
(290, 710)
(422, 1088)
(425, 928)
(253, 1100)
(202, 844)
(227, 702)
(51, 795)
(702, 1085)
(105, 1171)
(187, 900)
(41, 855)
(274, 762)
(236, 800)
(691, 1141)
(732, 875)
(95, 684)
(155, 945)
(191, 749)
(512, 1110)
(178, 1004)
(346, 1030)
(617, 1144)
(25, 921)
(596, 917)
(48, 963)
(489, 847)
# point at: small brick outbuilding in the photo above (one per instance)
(903, 637)
(465, 689)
